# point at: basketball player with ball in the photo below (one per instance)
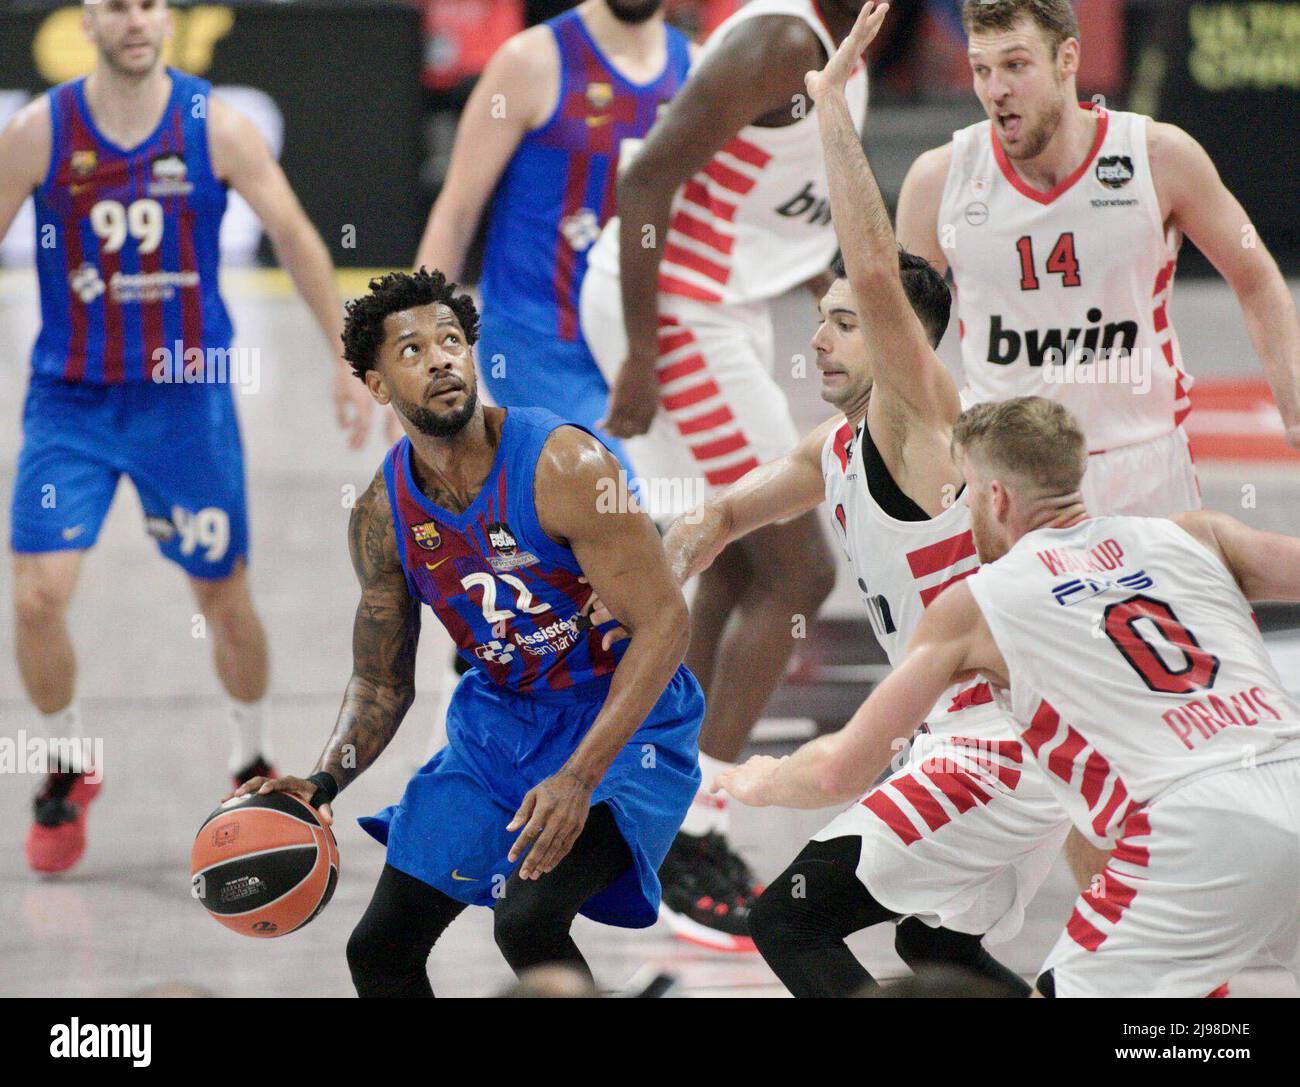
(569, 765)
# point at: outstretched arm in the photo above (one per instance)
(777, 491)
(1201, 206)
(384, 637)
(623, 561)
(1265, 564)
(907, 370)
(951, 642)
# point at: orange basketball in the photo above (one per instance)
(264, 865)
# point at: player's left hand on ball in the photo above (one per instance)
(352, 406)
(552, 815)
(301, 788)
(747, 781)
(838, 69)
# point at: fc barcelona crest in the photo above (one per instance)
(427, 535)
(599, 95)
(83, 163)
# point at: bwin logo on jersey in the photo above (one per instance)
(1059, 345)
(1115, 171)
(86, 283)
(495, 652)
(805, 204)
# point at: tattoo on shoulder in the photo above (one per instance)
(372, 539)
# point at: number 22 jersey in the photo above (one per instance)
(127, 242)
(510, 597)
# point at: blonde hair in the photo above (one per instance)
(1031, 438)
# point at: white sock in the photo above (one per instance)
(250, 730)
(708, 811)
(60, 725)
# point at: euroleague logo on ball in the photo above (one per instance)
(1115, 171)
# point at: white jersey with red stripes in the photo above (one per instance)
(1066, 294)
(1135, 665)
(901, 567)
(756, 221)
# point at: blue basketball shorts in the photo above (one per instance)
(178, 444)
(449, 830)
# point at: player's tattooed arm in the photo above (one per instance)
(907, 371)
(385, 633)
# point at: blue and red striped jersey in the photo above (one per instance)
(558, 189)
(510, 596)
(127, 243)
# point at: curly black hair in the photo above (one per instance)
(363, 328)
(925, 288)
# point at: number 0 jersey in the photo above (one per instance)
(127, 243)
(901, 567)
(509, 595)
(1135, 664)
(1066, 294)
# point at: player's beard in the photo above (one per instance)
(634, 12)
(439, 424)
(988, 542)
(120, 67)
(1038, 137)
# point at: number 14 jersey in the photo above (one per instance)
(1066, 294)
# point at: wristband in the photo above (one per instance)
(326, 789)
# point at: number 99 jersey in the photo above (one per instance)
(127, 242)
(1135, 665)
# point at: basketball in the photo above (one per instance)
(264, 865)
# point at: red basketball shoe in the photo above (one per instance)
(57, 838)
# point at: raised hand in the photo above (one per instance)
(838, 69)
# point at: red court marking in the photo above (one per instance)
(1234, 420)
